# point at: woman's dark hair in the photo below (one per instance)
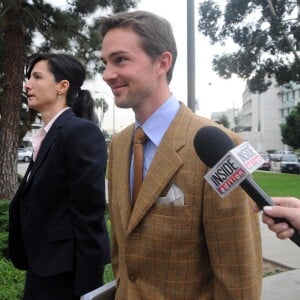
(68, 67)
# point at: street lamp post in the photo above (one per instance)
(190, 55)
(114, 123)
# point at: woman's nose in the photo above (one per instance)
(27, 85)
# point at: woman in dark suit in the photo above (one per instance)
(57, 230)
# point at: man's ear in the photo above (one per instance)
(165, 61)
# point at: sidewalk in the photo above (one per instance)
(285, 285)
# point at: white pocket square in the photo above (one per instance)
(174, 197)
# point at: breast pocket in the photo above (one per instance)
(169, 222)
(171, 229)
(60, 233)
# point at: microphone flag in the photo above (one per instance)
(233, 168)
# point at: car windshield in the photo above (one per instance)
(265, 156)
(289, 158)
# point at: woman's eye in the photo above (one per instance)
(35, 76)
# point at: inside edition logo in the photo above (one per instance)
(233, 168)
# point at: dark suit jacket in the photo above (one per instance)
(208, 248)
(56, 219)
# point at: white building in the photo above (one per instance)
(231, 114)
(262, 114)
(289, 96)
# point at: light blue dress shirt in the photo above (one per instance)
(155, 127)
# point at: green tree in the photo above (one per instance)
(237, 126)
(267, 33)
(22, 23)
(224, 121)
(290, 130)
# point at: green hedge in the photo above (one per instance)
(11, 281)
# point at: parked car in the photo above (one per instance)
(267, 162)
(276, 156)
(24, 154)
(289, 164)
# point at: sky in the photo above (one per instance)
(213, 93)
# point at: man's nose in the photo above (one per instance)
(109, 73)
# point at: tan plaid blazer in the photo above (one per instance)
(210, 248)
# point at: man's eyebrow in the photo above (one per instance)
(113, 54)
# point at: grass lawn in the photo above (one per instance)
(277, 184)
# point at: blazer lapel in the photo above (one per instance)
(122, 152)
(165, 164)
(49, 140)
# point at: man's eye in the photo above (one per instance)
(120, 59)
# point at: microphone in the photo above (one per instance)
(211, 145)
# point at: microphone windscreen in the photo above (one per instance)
(211, 144)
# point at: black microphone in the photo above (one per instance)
(211, 144)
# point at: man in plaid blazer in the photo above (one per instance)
(180, 240)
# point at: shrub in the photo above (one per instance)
(107, 274)
(11, 281)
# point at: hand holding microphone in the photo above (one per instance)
(285, 207)
(230, 167)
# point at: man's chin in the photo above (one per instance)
(122, 103)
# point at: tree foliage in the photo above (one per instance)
(224, 121)
(290, 131)
(28, 26)
(267, 34)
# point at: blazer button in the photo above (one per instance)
(132, 277)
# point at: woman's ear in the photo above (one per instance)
(63, 87)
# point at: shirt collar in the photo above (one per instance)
(157, 124)
(50, 123)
